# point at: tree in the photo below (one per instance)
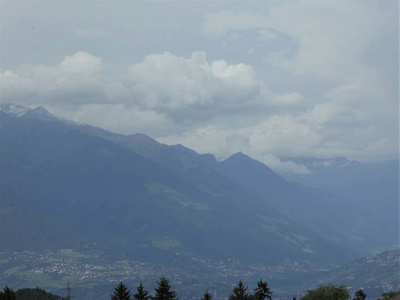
(163, 291)
(360, 295)
(262, 291)
(389, 295)
(207, 296)
(7, 294)
(239, 292)
(328, 292)
(121, 292)
(141, 294)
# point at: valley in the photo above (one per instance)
(83, 205)
(91, 273)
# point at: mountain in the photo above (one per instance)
(20, 227)
(369, 190)
(143, 204)
(324, 164)
(352, 220)
(322, 211)
(132, 206)
(374, 274)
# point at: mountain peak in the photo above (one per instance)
(39, 112)
(239, 156)
(42, 110)
(20, 110)
(14, 109)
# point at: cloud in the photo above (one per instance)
(330, 38)
(212, 106)
(185, 91)
(193, 88)
(119, 117)
(81, 63)
(289, 99)
(77, 79)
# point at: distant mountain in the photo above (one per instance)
(369, 190)
(133, 206)
(352, 220)
(374, 274)
(324, 164)
(336, 217)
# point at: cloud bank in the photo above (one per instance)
(343, 100)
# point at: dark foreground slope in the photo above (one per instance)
(35, 294)
(132, 206)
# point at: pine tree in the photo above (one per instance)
(207, 296)
(163, 291)
(142, 294)
(240, 292)
(121, 292)
(360, 295)
(7, 294)
(262, 291)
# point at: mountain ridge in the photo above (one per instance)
(71, 176)
(296, 201)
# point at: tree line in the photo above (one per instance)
(240, 292)
(164, 291)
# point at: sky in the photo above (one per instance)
(271, 79)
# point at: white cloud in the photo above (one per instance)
(81, 63)
(276, 78)
(193, 88)
(77, 79)
(185, 91)
(207, 139)
(124, 119)
(211, 106)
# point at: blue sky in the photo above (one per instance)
(270, 79)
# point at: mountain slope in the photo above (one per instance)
(298, 202)
(20, 227)
(130, 205)
(369, 190)
(375, 274)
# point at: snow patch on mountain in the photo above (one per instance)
(317, 164)
(38, 112)
(13, 109)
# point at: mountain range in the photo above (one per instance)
(70, 185)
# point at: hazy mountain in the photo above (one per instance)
(342, 212)
(20, 227)
(375, 274)
(369, 190)
(129, 204)
(337, 216)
